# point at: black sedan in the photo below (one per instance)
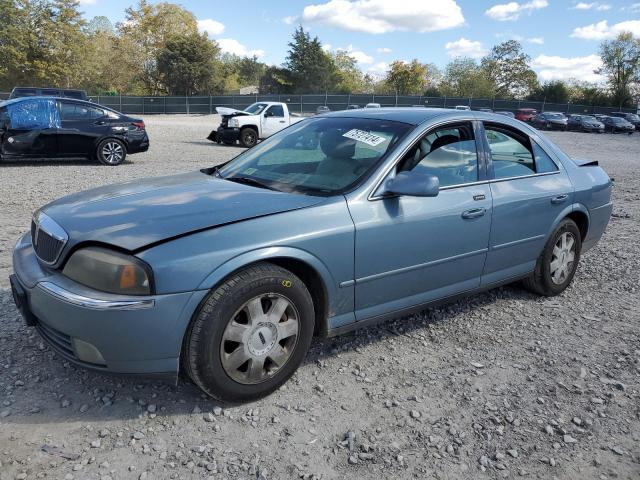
(550, 121)
(585, 123)
(617, 124)
(632, 118)
(50, 127)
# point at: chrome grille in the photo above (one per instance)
(47, 237)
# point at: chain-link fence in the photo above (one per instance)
(143, 105)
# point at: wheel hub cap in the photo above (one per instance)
(259, 339)
(562, 258)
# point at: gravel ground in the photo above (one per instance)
(501, 385)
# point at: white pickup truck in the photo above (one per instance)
(256, 122)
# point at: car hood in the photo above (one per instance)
(135, 214)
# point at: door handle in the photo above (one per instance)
(473, 213)
(559, 199)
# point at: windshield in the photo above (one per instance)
(321, 156)
(555, 116)
(632, 117)
(587, 118)
(618, 120)
(256, 108)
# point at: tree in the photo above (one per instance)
(350, 78)
(145, 32)
(463, 77)
(312, 70)
(555, 91)
(508, 67)
(187, 63)
(407, 78)
(100, 24)
(621, 65)
(276, 80)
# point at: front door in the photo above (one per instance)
(412, 250)
(530, 191)
(273, 120)
(30, 129)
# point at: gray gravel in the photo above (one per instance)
(504, 384)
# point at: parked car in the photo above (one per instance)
(617, 124)
(550, 121)
(323, 109)
(526, 114)
(485, 110)
(584, 123)
(600, 117)
(372, 105)
(227, 273)
(50, 127)
(462, 107)
(632, 118)
(256, 122)
(19, 92)
(506, 113)
(353, 107)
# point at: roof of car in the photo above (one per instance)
(414, 116)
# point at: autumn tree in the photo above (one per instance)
(464, 77)
(407, 78)
(621, 65)
(508, 67)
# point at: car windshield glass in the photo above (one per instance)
(255, 108)
(320, 156)
(555, 116)
(632, 117)
(587, 118)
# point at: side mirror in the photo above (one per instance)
(413, 185)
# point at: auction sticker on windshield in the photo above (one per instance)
(364, 137)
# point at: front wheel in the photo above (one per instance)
(251, 334)
(558, 262)
(248, 137)
(111, 152)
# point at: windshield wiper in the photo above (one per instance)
(251, 181)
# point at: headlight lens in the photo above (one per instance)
(109, 271)
(234, 122)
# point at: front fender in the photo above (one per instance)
(265, 254)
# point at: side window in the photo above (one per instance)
(513, 154)
(275, 111)
(544, 164)
(76, 112)
(449, 153)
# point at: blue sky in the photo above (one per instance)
(561, 36)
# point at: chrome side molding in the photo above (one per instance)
(60, 293)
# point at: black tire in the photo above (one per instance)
(203, 345)
(111, 151)
(541, 281)
(248, 137)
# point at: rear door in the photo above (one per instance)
(273, 120)
(530, 190)
(82, 125)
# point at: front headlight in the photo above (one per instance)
(234, 122)
(109, 271)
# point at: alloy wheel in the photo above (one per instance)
(260, 338)
(562, 258)
(112, 152)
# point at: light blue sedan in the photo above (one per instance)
(337, 222)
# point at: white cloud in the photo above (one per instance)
(358, 55)
(231, 45)
(326, 47)
(520, 38)
(465, 48)
(535, 40)
(383, 50)
(602, 30)
(378, 70)
(290, 20)
(513, 10)
(564, 68)
(600, 7)
(212, 27)
(382, 16)
(87, 2)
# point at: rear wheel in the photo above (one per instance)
(251, 334)
(111, 152)
(558, 262)
(248, 137)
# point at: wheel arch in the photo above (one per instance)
(311, 270)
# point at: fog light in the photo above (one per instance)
(87, 352)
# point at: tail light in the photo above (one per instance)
(139, 125)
